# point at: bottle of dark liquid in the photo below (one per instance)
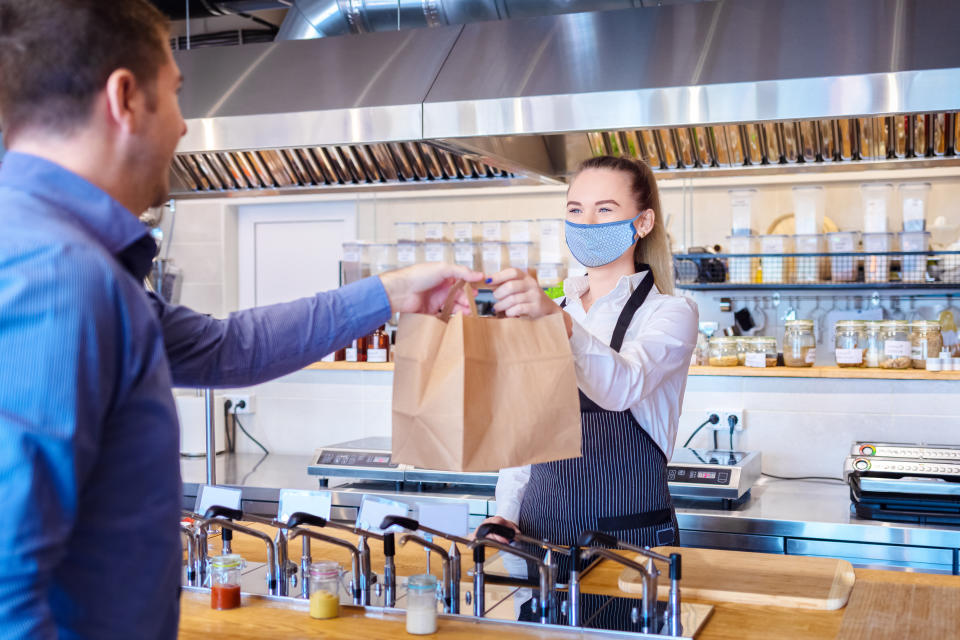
(378, 346)
(357, 351)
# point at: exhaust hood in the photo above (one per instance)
(731, 85)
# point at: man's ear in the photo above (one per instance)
(123, 101)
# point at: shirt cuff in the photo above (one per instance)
(368, 305)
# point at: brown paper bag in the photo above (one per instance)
(482, 394)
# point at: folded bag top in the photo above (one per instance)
(483, 394)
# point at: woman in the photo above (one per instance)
(631, 339)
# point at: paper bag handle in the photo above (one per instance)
(459, 285)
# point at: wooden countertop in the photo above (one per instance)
(261, 618)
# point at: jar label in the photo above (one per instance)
(463, 231)
(406, 254)
(376, 355)
(464, 253)
(491, 231)
(351, 355)
(351, 256)
(519, 231)
(433, 253)
(756, 360)
(811, 356)
(849, 356)
(550, 273)
(896, 348)
(433, 230)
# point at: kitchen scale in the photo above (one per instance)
(701, 474)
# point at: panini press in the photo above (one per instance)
(905, 482)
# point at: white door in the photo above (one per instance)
(291, 250)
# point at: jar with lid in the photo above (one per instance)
(324, 582)
(895, 346)
(225, 573)
(378, 346)
(742, 350)
(799, 345)
(760, 351)
(723, 352)
(874, 347)
(850, 349)
(422, 604)
(926, 342)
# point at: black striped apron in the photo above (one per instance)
(618, 485)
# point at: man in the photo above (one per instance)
(89, 464)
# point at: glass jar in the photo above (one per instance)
(378, 346)
(760, 351)
(926, 342)
(422, 604)
(850, 348)
(895, 347)
(874, 348)
(742, 350)
(225, 573)
(723, 352)
(324, 590)
(799, 345)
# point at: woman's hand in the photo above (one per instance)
(500, 521)
(518, 294)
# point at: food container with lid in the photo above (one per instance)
(520, 230)
(876, 206)
(552, 247)
(492, 257)
(876, 268)
(742, 270)
(843, 268)
(383, 257)
(406, 231)
(465, 254)
(799, 344)
(354, 264)
(809, 204)
(493, 230)
(741, 211)
(324, 587)
(874, 345)
(434, 251)
(409, 253)
(723, 352)
(761, 351)
(422, 604)
(434, 231)
(225, 572)
(550, 274)
(776, 268)
(913, 203)
(851, 343)
(925, 342)
(895, 345)
(463, 231)
(809, 269)
(521, 255)
(913, 268)
(742, 349)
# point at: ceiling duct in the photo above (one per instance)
(730, 85)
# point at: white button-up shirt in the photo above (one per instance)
(648, 376)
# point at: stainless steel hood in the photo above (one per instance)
(762, 84)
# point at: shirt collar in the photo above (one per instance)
(108, 221)
(576, 286)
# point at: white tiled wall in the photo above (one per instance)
(802, 426)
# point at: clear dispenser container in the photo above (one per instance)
(492, 257)
(422, 605)
(434, 231)
(225, 572)
(876, 268)
(850, 348)
(895, 345)
(406, 231)
(324, 590)
(843, 268)
(742, 270)
(741, 211)
(521, 255)
(437, 252)
(776, 268)
(550, 274)
(520, 230)
(463, 231)
(465, 253)
(409, 253)
(383, 257)
(913, 268)
(876, 206)
(493, 230)
(799, 344)
(809, 204)
(354, 264)
(913, 203)
(809, 269)
(552, 248)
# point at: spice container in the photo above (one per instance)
(437, 252)
(799, 345)
(378, 346)
(913, 200)
(876, 268)
(406, 231)
(383, 258)
(851, 343)
(465, 253)
(492, 258)
(520, 230)
(422, 604)
(776, 268)
(742, 350)
(895, 346)
(492, 230)
(741, 211)
(409, 253)
(809, 203)
(723, 352)
(521, 255)
(843, 268)
(913, 267)
(463, 231)
(874, 347)
(741, 270)
(225, 573)
(354, 265)
(761, 351)
(808, 269)
(550, 274)
(925, 342)
(357, 351)
(324, 590)
(551, 240)
(434, 231)
(876, 207)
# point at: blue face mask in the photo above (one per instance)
(594, 245)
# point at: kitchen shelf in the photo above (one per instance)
(350, 366)
(825, 372)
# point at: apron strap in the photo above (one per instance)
(637, 298)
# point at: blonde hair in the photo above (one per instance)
(654, 248)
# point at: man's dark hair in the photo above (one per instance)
(56, 56)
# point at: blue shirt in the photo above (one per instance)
(89, 444)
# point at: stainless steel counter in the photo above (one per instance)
(801, 517)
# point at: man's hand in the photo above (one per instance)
(423, 288)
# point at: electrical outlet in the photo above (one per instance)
(242, 402)
(724, 415)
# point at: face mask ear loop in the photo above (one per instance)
(636, 233)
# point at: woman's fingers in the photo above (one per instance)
(505, 276)
(511, 301)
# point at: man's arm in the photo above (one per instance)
(56, 345)
(261, 344)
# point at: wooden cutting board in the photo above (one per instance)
(755, 578)
(882, 611)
